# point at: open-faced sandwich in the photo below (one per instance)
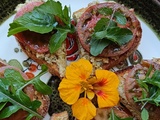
(139, 89)
(108, 33)
(20, 97)
(41, 29)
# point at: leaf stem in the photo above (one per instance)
(31, 80)
(22, 106)
(148, 100)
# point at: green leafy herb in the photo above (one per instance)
(150, 88)
(15, 63)
(45, 18)
(105, 11)
(107, 32)
(11, 90)
(113, 116)
(144, 114)
(120, 18)
(150, 91)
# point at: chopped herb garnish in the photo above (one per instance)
(46, 18)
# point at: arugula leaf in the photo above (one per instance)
(16, 96)
(2, 105)
(57, 40)
(6, 112)
(144, 114)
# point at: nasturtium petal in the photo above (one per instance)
(79, 70)
(106, 88)
(69, 91)
(90, 94)
(106, 80)
(108, 99)
(83, 109)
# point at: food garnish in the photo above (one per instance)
(107, 31)
(150, 86)
(80, 87)
(11, 92)
(49, 17)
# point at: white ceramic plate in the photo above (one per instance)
(149, 46)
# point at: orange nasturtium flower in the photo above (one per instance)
(103, 85)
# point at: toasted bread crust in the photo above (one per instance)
(53, 68)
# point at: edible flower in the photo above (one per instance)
(80, 86)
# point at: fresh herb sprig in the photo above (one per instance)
(46, 18)
(150, 91)
(113, 116)
(150, 88)
(107, 31)
(11, 91)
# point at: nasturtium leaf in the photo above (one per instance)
(105, 11)
(120, 18)
(7, 111)
(57, 40)
(144, 114)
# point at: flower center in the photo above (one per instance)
(86, 86)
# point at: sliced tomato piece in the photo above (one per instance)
(91, 16)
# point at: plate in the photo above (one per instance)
(149, 46)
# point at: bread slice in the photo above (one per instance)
(60, 116)
(33, 95)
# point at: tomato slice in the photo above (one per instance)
(91, 16)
